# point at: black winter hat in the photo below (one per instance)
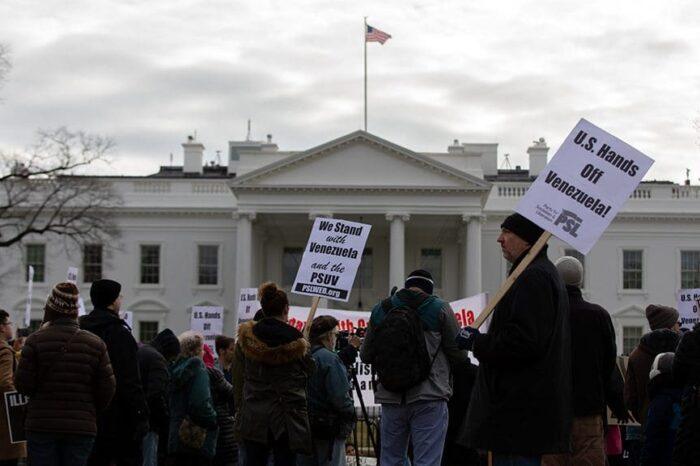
(420, 279)
(524, 228)
(104, 292)
(167, 344)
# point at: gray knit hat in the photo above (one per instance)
(570, 270)
(661, 316)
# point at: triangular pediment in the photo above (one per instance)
(356, 161)
(632, 311)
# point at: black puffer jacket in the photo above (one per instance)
(686, 371)
(127, 416)
(522, 400)
(67, 374)
(274, 361)
(222, 398)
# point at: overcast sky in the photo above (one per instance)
(148, 73)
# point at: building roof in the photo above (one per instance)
(175, 171)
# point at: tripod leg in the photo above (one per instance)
(355, 446)
(370, 431)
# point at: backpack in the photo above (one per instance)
(402, 360)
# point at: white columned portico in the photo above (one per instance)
(244, 252)
(472, 252)
(397, 248)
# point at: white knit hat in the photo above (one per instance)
(570, 270)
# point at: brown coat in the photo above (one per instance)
(8, 451)
(66, 390)
(639, 365)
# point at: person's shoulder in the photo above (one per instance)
(90, 338)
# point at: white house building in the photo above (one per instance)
(195, 234)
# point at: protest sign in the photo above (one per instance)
(248, 304)
(689, 307)
(72, 275)
(28, 308)
(467, 310)
(209, 321)
(582, 188)
(15, 412)
(331, 259)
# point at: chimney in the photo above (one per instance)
(193, 154)
(455, 148)
(538, 156)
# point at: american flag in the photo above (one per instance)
(375, 35)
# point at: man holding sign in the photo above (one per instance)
(521, 406)
(524, 383)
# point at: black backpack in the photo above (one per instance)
(401, 358)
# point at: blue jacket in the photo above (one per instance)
(663, 419)
(190, 396)
(329, 388)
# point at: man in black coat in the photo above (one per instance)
(521, 406)
(686, 372)
(154, 358)
(120, 428)
(594, 353)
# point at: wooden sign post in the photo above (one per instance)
(505, 286)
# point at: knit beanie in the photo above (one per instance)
(570, 270)
(524, 228)
(167, 344)
(661, 316)
(104, 292)
(62, 302)
(420, 279)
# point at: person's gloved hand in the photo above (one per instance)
(465, 338)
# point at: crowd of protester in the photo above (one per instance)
(544, 392)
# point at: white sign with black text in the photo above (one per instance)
(248, 304)
(209, 321)
(331, 259)
(689, 307)
(582, 188)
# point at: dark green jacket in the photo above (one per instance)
(273, 359)
(190, 396)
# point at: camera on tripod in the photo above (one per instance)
(344, 337)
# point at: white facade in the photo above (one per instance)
(440, 211)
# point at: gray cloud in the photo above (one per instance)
(149, 74)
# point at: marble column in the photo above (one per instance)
(244, 254)
(472, 251)
(397, 248)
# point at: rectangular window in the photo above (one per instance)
(92, 263)
(34, 325)
(36, 257)
(582, 259)
(291, 259)
(690, 269)
(150, 264)
(632, 268)
(208, 264)
(630, 338)
(147, 330)
(431, 260)
(365, 272)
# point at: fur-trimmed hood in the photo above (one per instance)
(255, 344)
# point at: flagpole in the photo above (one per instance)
(364, 37)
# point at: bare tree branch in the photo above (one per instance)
(42, 192)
